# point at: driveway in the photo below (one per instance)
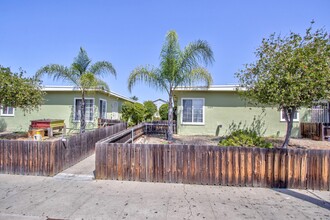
(30, 197)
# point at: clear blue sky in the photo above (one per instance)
(131, 33)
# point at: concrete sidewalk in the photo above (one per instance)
(29, 197)
(84, 170)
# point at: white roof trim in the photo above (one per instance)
(210, 88)
(162, 100)
(73, 88)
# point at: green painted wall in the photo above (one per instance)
(59, 105)
(224, 108)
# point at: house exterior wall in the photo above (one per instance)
(60, 105)
(222, 108)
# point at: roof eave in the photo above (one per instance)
(211, 88)
(72, 88)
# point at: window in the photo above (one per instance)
(89, 104)
(193, 111)
(295, 117)
(7, 111)
(114, 110)
(103, 108)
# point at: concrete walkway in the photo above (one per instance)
(84, 170)
(29, 197)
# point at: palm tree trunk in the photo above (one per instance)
(170, 118)
(288, 115)
(83, 113)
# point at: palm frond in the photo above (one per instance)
(171, 47)
(102, 67)
(81, 62)
(102, 85)
(58, 72)
(195, 76)
(147, 75)
(88, 81)
(195, 53)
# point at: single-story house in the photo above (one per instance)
(211, 111)
(63, 102)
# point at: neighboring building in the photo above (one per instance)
(210, 111)
(158, 103)
(63, 102)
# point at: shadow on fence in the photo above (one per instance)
(117, 159)
(47, 158)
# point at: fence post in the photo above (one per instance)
(132, 135)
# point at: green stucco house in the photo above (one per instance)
(211, 110)
(63, 102)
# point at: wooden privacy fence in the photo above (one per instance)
(213, 165)
(315, 131)
(103, 122)
(164, 125)
(47, 158)
(131, 134)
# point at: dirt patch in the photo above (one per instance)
(24, 136)
(301, 143)
(295, 143)
(14, 135)
(177, 139)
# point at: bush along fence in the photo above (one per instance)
(212, 165)
(47, 158)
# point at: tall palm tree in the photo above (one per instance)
(177, 68)
(83, 75)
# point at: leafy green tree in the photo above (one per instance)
(163, 111)
(150, 110)
(133, 113)
(18, 91)
(126, 111)
(177, 68)
(138, 113)
(83, 75)
(290, 72)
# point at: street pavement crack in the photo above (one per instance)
(185, 197)
(251, 204)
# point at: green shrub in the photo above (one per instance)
(247, 136)
(138, 113)
(133, 113)
(126, 111)
(163, 111)
(150, 110)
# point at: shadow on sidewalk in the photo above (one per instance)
(319, 202)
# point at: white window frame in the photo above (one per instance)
(106, 107)
(283, 119)
(192, 123)
(7, 115)
(74, 109)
